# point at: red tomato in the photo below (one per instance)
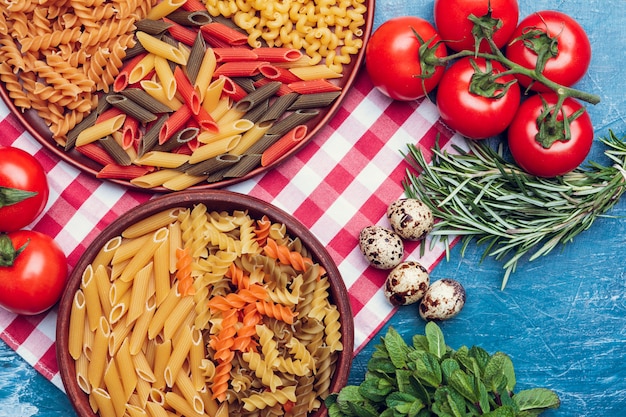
(453, 24)
(19, 172)
(34, 280)
(392, 58)
(560, 157)
(572, 54)
(472, 115)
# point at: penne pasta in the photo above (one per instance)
(162, 159)
(161, 48)
(141, 69)
(100, 130)
(283, 145)
(166, 76)
(213, 149)
(164, 8)
(144, 255)
(77, 325)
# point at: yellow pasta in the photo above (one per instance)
(251, 136)
(142, 366)
(157, 91)
(126, 368)
(92, 299)
(183, 181)
(162, 159)
(162, 281)
(176, 318)
(155, 178)
(100, 130)
(166, 76)
(214, 149)
(180, 350)
(163, 312)
(114, 387)
(142, 69)
(98, 357)
(77, 325)
(139, 292)
(315, 72)
(105, 254)
(140, 330)
(151, 223)
(164, 8)
(140, 259)
(184, 384)
(160, 48)
(180, 405)
(205, 74)
(161, 359)
(226, 129)
(103, 401)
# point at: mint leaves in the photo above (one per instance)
(428, 378)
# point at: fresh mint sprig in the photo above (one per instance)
(429, 378)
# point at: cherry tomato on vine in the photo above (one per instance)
(33, 272)
(565, 41)
(469, 111)
(392, 58)
(559, 153)
(23, 189)
(455, 28)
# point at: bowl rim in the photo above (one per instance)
(37, 128)
(219, 200)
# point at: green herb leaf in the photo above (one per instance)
(464, 385)
(404, 404)
(382, 366)
(396, 347)
(495, 372)
(501, 412)
(376, 389)
(427, 369)
(436, 342)
(536, 398)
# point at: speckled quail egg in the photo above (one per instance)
(406, 283)
(443, 300)
(382, 248)
(410, 218)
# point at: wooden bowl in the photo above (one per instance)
(214, 200)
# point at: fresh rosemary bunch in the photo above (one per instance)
(478, 195)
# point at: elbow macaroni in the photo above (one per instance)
(328, 30)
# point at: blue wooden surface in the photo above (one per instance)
(562, 318)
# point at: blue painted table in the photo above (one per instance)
(562, 318)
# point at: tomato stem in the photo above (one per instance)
(10, 196)
(8, 253)
(514, 68)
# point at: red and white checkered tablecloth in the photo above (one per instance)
(339, 183)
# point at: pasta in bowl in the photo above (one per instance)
(204, 303)
(179, 94)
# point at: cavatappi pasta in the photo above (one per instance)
(197, 312)
(198, 64)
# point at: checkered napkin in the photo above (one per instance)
(342, 181)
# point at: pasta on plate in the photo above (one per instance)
(115, 80)
(201, 312)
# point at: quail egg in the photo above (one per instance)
(382, 248)
(410, 218)
(406, 283)
(443, 300)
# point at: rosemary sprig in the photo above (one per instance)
(478, 195)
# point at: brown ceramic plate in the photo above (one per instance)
(38, 129)
(214, 200)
